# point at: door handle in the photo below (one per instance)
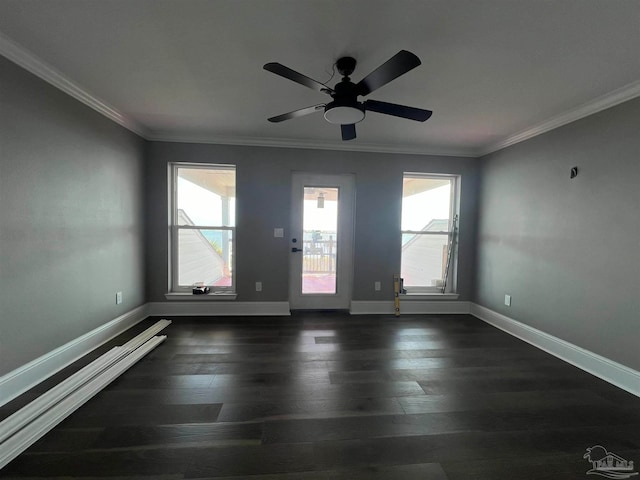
(294, 249)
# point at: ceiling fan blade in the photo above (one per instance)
(397, 65)
(297, 113)
(348, 131)
(396, 110)
(292, 75)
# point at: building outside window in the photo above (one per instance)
(428, 209)
(202, 227)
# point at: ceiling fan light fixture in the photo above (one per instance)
(344, 114)
(345, 109)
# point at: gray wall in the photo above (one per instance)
(71, 218)
(568, 251)
(263, 201)
(75, 190)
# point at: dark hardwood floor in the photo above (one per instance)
(329, 396)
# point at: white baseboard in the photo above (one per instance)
(178, 308)
(408, 307)
(30, 374)
(615, 373)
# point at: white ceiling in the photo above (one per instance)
(493, 71)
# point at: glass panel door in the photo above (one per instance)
(321, 241)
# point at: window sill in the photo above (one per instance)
(208, 297)
(429, 296)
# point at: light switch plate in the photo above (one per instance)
(278, 232)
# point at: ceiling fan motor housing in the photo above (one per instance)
(345, 108)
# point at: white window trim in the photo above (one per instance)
(175, 290)
(453, 210)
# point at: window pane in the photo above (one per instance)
(206, 196)
(320, 220)
(426, 203)
(205, 257)
(424, 259)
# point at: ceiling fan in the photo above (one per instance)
(345, 109)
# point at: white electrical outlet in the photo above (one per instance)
(507, 300)
(258, 286)
(376, 286)
(118, 298)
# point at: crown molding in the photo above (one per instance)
(30, 62)
(309, 144)
(27, 60)
(608, 100)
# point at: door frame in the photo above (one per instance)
(345, 239)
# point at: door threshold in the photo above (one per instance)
(340, 311)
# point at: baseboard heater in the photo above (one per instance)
(26, 426)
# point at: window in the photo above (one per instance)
(428, 206)
(203, 227)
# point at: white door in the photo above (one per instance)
(321, 241)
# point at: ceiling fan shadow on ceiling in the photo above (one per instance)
(345, 109)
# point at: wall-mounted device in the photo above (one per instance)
(574, 172)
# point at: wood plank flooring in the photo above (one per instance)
(330, 396)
